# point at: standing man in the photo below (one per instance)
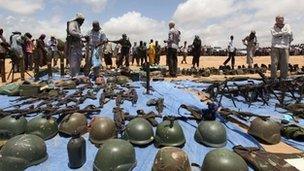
(16, 43)
(184, 52)
(280, 44)
(135, 54)
(142, 53)
(52, 44)
(172, 43)
(158, 52)
(196, 50)
(107, 52)
(251, 43)
(96, 39)
(231, 53)
(74, 43)
(125, 50)
(3, 50)
(28, 51)
(151, 52)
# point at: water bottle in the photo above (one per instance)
(76, 151)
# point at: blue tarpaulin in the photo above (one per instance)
(173, 98)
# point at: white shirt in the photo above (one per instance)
(173, 38)
(231, 47)
(96, 37)
(16, 44)
(2, 40)
(281, 38)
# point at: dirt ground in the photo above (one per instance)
(205, 61)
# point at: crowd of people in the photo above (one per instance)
(96, 45)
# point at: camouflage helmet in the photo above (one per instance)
(223, 160)
(139, 131)
(211, 133)
(115, 154)
(22, 151)
(42, 126)
(169, 133)
(171, 158)
(14, 125)
(101, 129)
(266, 130)
(73, 123)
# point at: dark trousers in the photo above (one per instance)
(143, 59)
(157, 59)
(135, 58)
(2, 67)
(172, 59)
(195, 60)
(184, 58)
(122, 57)
(55, 55)
(231, 56)
(108, 59)
(28, 61)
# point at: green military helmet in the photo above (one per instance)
(211, 133)
(22, 151)
(169, 133)
(115, 154)
(223, 160)
(73, 123)
(171, 158)
(102, 129)
(42, 126)
(266, 130)
(139, 132)
(13, 124)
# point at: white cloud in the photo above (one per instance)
(22, 6)
(96, 5)
(216, 20)
(24, 24)
(198, 11)
(136, 26)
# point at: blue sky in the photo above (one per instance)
(213, 20)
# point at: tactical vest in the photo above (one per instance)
(264, 161)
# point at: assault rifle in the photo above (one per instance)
(150, 117)
(245, 116)
(158, 103)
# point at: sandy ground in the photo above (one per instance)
(205, 61)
